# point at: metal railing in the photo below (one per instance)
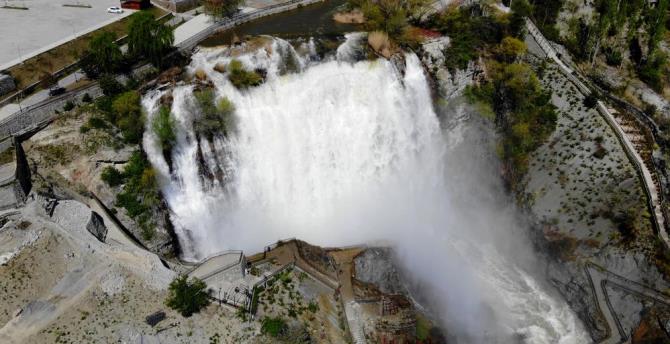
(241, 18)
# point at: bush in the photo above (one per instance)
(163, 126)
(69, 105)
(380, 42)
(274, 327)
(510, 48)
(86, 98)
(112, 176)
(652, 71)
(140, 192)
(613, 57)
(127, 116)
(590, 101)
(242, 78)
(96, 123)
(187, 296)
(110, 86)
(104, 104)
(214, 119)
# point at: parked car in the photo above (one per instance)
(114, 9)
(56, 91)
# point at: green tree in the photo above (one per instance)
(104, 52)
(520, 10)
(510, 48)
(127, 116)
(221, 8)
(149, 38)
(187, 296)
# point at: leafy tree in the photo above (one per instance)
(140, 192)
(221, 8)
(112, 176)
(127, 116)
(510, 48)
(110, 86)
(590, 101)
(520, 10)
(163, 125)
(653, 70)
(524, 112)
(469, 33)
(103, 55)
(187, 296)
(149, 38)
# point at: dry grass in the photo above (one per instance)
(353, 17)
(35, 68)
(380, 42)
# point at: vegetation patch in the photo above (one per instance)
(187, 296)
(242, 78)
(140, 192)
(215, 116)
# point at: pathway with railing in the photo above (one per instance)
(650, 184)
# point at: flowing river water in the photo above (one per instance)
(343, 152)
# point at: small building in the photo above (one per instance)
(136, 4)
(14, 174)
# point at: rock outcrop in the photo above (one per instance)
(96, 226)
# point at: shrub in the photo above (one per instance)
(104, 104)
(86, 98)
(274, 327)
(590, 101)
(69, 105)
(187, 296)
(112, 176)
(380, 42)
(652, 71)
(96, 123)
(163, 126)
(140, 192)
(613, 57)
(127, 116)
(510, 48)
(242, 78)
(110, 86)
(214, 119)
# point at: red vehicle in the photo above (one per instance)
(136, 4)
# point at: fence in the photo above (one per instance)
(32, 117)
(238, 19)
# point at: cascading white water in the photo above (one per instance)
(344, 153)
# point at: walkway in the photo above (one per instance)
(649, 182)
(345, 260)
(600, 279)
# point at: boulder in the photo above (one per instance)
(6, 84)
(96, 226)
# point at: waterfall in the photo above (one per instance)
(341, 153)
